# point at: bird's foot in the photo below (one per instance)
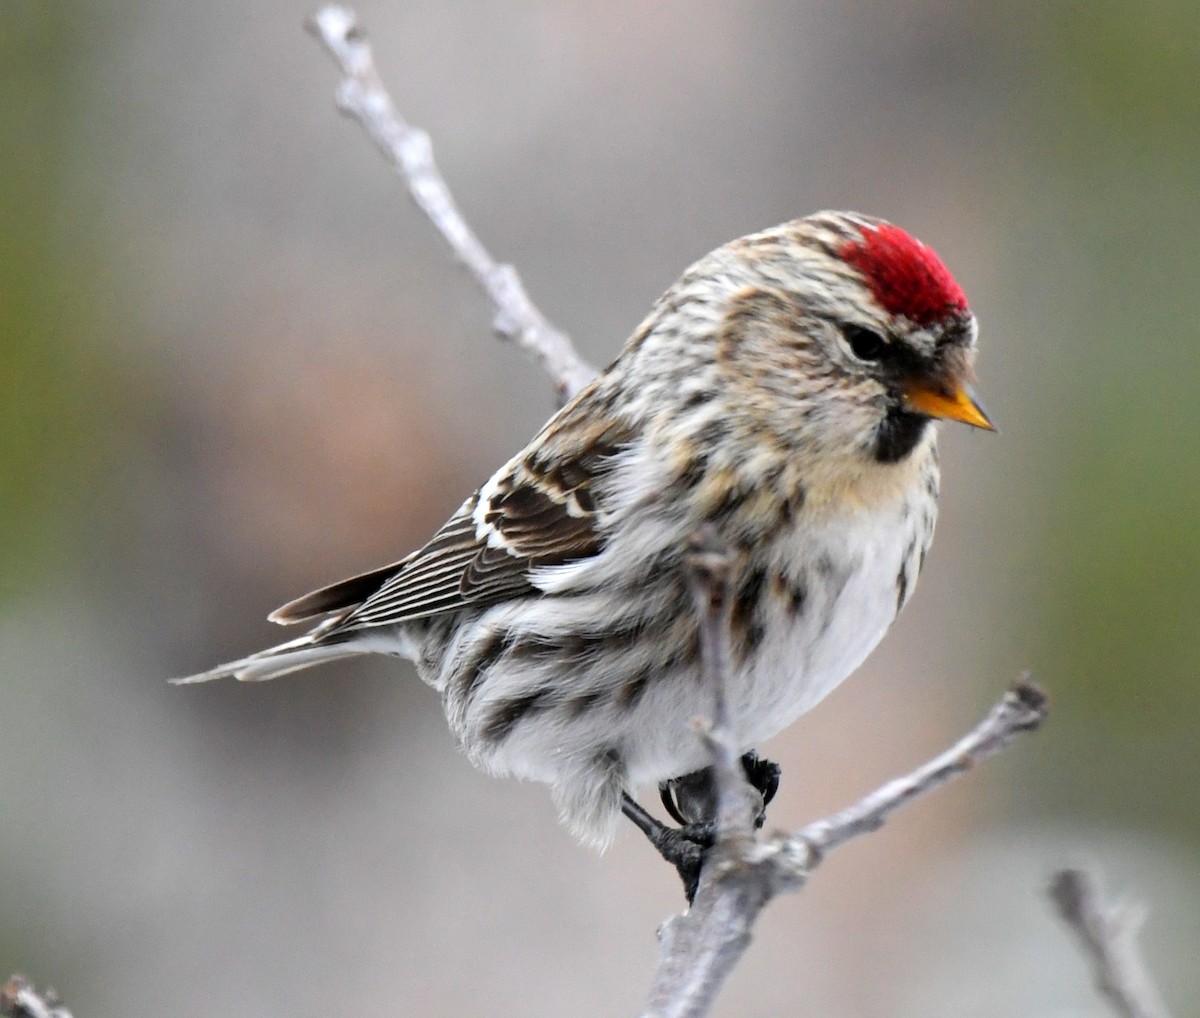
(690, 801)
(684, 847)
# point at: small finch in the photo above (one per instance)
(781, 396)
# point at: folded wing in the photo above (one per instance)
(541, 510)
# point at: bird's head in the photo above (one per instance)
(854, 331)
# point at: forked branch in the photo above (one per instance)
(700, 947)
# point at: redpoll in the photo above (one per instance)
(781, 394)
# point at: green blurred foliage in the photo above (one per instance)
(1114, 165)
(1126, 67)
(63, 377)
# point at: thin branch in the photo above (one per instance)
(1108, 934)
(700, 947)
(693, 965)
(361, 95)
(19, 999)
(736, 803)
(1021, 709)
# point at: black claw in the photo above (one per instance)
(764, 776)
(666, 794)
(691, 799)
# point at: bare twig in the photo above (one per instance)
(1109, 937)
(361, 95)
(19, 999)
(700, 947)
(1021, 709)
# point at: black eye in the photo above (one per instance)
(865, 344)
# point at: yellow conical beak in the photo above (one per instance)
(955, 402)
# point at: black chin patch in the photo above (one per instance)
(898, 434)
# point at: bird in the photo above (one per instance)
(783, 396)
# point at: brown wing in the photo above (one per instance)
(541, 511)
(337, 596)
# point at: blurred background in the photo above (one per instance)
(235, 363)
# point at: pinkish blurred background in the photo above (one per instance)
(236, 363)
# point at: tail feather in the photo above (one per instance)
(275, 661)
